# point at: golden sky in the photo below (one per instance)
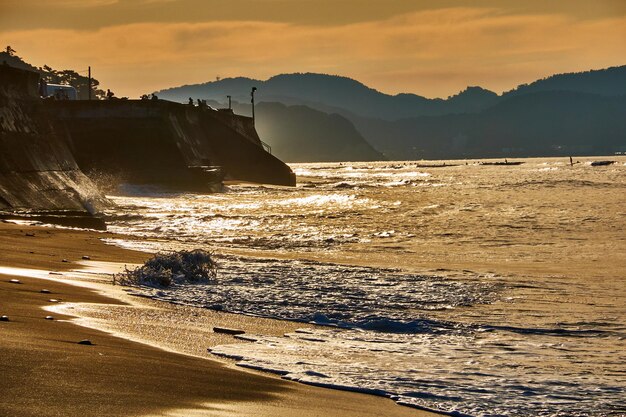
(430, 48)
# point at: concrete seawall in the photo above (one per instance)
(38, 173)
(166, 143)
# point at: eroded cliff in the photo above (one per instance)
(165, 143)
(37, 170)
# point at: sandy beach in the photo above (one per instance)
(47, 373)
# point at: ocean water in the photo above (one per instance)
(467, 289)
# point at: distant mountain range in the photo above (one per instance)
(551, 123)
(605, 82)
(564, 114)
(318, 117)
(336, 94)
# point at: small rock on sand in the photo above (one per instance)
(45, 291)
(4, 318)
(85, 342)
(64, 260)
(53, 300)
(226, 330)
(49, 318)
(85, 257)
(15, 281)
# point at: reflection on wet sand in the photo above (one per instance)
(481, 288)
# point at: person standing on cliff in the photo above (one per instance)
(43, 88)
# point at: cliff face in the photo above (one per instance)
(160, 142)
(301, 134)
(37, 170)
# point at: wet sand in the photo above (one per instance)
(45, 372)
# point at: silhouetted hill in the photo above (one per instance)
(336, 94)
(471, 100)
(608, 82)
(559, 115)
(302, 134)
(557, 123)
(348, 97)
(15, 61)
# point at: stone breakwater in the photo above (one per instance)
(166, 144)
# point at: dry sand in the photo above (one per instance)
(45, 372)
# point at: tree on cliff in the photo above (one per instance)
(76, 80)
(52, 76)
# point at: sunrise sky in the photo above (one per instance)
(431, 48)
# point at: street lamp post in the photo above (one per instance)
(252, 101)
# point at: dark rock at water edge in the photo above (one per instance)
(505, 163)
(601, 163)
(226, 330)
(79, 219)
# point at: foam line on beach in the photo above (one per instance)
(110, 366)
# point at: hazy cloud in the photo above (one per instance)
(431, 52)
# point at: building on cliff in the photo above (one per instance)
(38, 173)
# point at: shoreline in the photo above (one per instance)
(45, 365)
